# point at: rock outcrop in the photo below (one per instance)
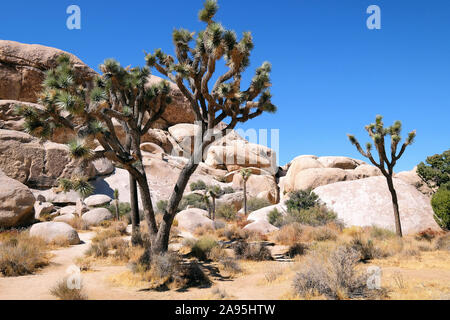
(34, 163)
(16, 203)
(309, 172)
(368, 202)
(23, 66)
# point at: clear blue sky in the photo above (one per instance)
(331, 75)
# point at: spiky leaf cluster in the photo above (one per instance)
(378, 133)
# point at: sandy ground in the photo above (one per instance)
(427, 278)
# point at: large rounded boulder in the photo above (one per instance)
(96, 216)
(192, 219)
(368, 202)
(16, 203)
(55, 232)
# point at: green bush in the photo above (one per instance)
(275, 218)
(301, 200)
(124, 208)
(441, 206)
(203, 247)
(315, 216)
(194, 200)
(254, 204)
(161, 206)
(228, 190)
(198, 185)
(226, 211)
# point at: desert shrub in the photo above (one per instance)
(233, 232)
(275, 218)
(314, 216)
(228, 190)
(194, 276)
(21, 254)
(161, 206)
(78, 223)
(198, 185)
(273, 274)
(230, 265)
(124, 208)
(441, 206)
(381, 233)
(334, 276)
(301, 200)
(365, 248)
(427, 235)
(203, 230)
(109, 247)
(289, 234)
(297, 249)
(226, 211)
(443, 242)
(202, 248)
(193, 200)
(323, 233)
(252, 251)
(217, 254)
(63, 292)
(254, 204)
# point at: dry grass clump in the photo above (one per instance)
(427, 235)
(116, 248)
(289, 234)
(272, 274)
(204, 231)
(443, 242)
(63, 292)
(167, 271)
(365, 248)
(334, 276)
(219, 294)
(252, 251)
(78, 224)
(323, 233)
(381, 233)
(21, 254)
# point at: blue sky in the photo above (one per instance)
(331, 75)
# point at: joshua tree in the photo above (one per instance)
(88, 110)
(214, 192)
(116, 203)
(245, 173)
(224, 101)
(378, 132)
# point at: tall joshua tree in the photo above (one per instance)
(245, 173)
(88, 110)
(192, 68)
(378, 132)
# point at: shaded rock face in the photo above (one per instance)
(178, 111)
(55, 231)
(16, 203)
(34, 163)
(368, 202)
(414, 179)
(23, 66)
(9, 120)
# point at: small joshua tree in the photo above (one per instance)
(214, 192)
(246, 174)
(378, 132)
(116, 203)
(224, 102)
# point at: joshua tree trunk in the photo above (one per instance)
(116, 204)
(135, 219)
(398, 227)
(213, 208)
(245, 197)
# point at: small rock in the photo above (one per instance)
(96, 216)
(97, 200)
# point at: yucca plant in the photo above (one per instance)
(378, 133)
